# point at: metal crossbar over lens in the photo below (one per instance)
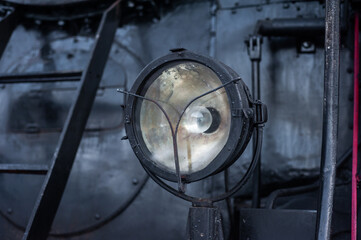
(181, 188)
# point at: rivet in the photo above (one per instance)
(10, 211)
(135, 181)
(61, 23)
(286, 5)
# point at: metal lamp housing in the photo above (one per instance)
(241, 110)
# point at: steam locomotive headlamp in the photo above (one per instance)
(188, 116)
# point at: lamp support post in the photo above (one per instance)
(247, 117)
(204, 222)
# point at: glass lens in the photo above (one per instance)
(204, 127)
(198, 119)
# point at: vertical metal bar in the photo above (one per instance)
(254, 51)
(256, 91)
(213, 29)
(8, 22)
(55, 181)
(204, 222)
(330, 120)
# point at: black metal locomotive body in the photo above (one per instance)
(65, 171)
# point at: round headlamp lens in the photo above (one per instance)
(203, 129)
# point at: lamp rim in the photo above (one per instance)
(237, 98)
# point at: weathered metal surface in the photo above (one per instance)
(104, 168)
(291, 88)
(89, 193)
(52, 189)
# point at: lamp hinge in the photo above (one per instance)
(260, 112)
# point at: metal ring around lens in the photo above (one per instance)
(237, 139)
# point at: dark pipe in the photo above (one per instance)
(257, 173)
(255, 53)
(330, 120)
(297, 27)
